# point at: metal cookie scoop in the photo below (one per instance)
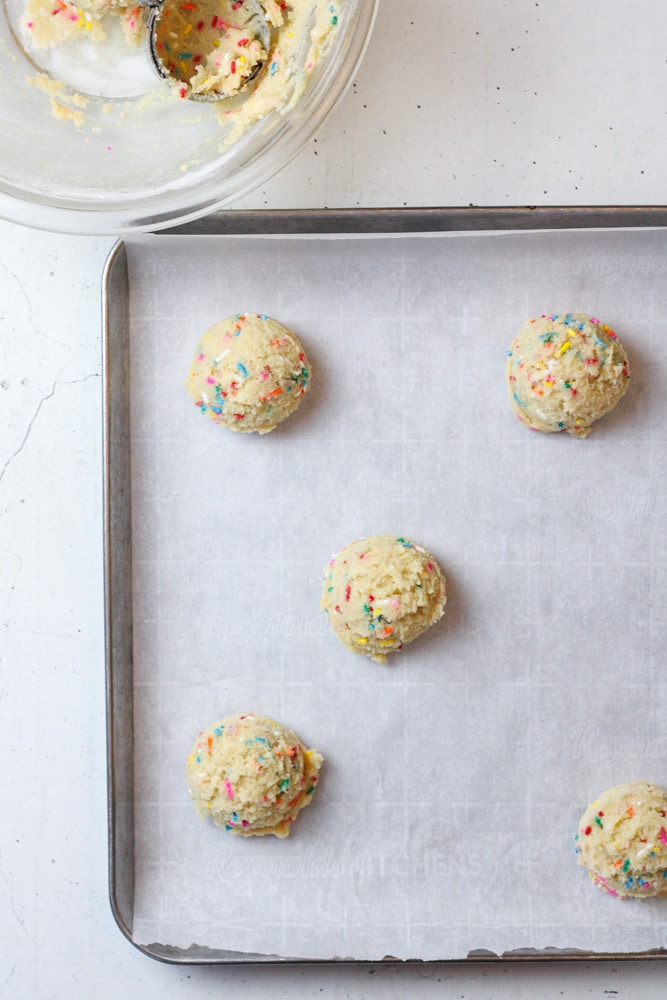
(210, 49)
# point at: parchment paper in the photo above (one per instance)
(455, 775)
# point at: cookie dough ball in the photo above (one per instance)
(249, 373)
(564, 372)
(622, 840)
(251, 775)
(382, 592)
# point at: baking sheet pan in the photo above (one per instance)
(579, 543)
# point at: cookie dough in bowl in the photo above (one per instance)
(382, 592)
(251, 775)
(564, 372)
(93, 141)
(622, 840)
(249, 373)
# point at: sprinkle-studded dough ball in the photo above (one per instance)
(249, 373)
(382, 592)
(622, 840)
(564, 372)
(251, 775)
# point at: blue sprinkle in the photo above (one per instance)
(273, 68)
(242, 369)
(218, 730)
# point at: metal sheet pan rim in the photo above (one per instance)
(117, 511)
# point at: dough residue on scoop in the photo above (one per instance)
(564, 372)
(382, 592)
(251, 775)
(621, 840)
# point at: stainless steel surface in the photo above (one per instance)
(118, 507)
(419, 220)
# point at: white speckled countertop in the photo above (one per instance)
(517, 102)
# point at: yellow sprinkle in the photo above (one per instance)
(386, 642)
(564, 347)
(187, 29)
(362, 640)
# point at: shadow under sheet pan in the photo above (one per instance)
(455, 775)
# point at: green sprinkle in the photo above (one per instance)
(599, 822)
(283, 784)
(626, 864)
(334, 20)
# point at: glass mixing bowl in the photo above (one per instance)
(92, 142)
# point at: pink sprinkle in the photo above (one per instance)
(210, 379)
(663, 835)
(263, 375)
(30, 24)
(230, 790)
